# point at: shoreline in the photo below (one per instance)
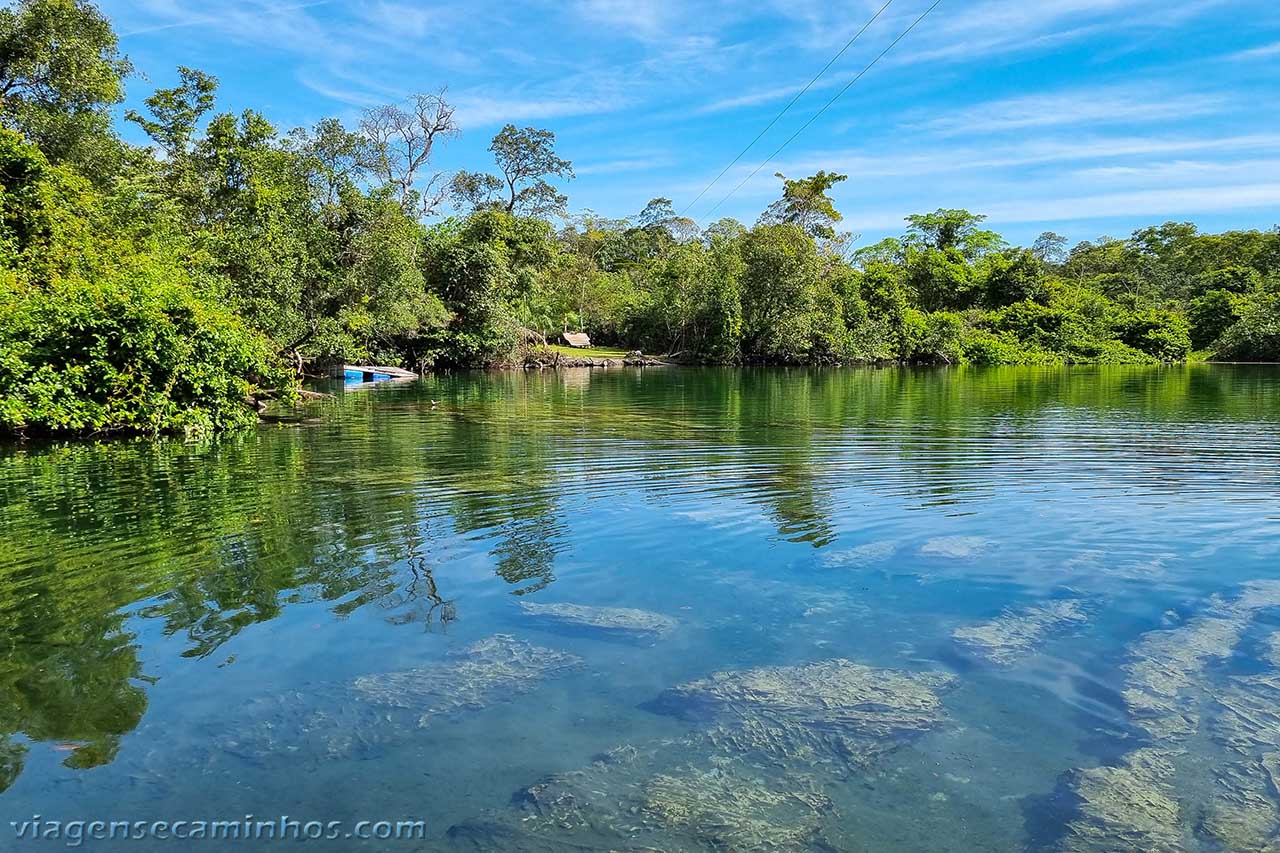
(297, 418)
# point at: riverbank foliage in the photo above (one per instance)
(162, 287)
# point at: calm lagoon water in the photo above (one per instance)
(968, 610)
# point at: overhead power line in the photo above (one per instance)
(825, 106)
(789, 105)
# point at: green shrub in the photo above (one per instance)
(1013, 277)
(1211, 315)
(24, 216)
(982, 346)
(1037, 325)
(1256, 335)
(1162, 334)
(135, 353)
(1234, 279)
(940, 341)
(1113, 352)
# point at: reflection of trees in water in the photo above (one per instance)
(419, 600)
(507, 485)
(801, 509)
(69, 677)
(220, 537)
(787, 439)
(526, 554)
(12, 754)
(213, 539)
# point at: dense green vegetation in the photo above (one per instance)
(164, 288)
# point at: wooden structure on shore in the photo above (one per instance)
(577, 340)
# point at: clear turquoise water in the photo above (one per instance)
(181, 625)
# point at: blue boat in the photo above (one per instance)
(359, 375)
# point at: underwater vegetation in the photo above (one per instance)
(833, 708)
(1129, 807)
(955, 547)
(493, 669)
(1015, 633)
(768, 748)
(670, 796)
(469, 679)
(1168, 664)
(750, 776)
(1211, 781)
(609, 621)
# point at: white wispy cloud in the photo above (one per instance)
(1124, 104)
(967, 31)
(1139, 203)
(1265, 51)
(477, 109)
(1025, 183)
(994, 27)
(764, 96)
(625, 164)
(351, 95)
(642, 86)
(286, 26)
(1182, 172)
(635, 17)
(401, 18)
(948, 158)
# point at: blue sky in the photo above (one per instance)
(1088, 117)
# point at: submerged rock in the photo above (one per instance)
(833, 709)
(729, 809)
(835, 693)
(1125, 808)
(580, 799)
(1244, 815)
(473, 677)
(1168, 666)
(1245, 810)
(622, 621)
(670, 797)
(750, 779)
(292, 726)
(1272, 652)
(956, 547)
(1247, 718)
(1171, 691)
(375, 711)
(860, 555)
(1015, 633)
(1255, 596)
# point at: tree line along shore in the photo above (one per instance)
(167, 287)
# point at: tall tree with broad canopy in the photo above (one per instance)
(659, 215)
(333, 156)
(526, 158)
(1050, 247)
(61, 71)
(805, 203)
(177, 112)
(958, 229)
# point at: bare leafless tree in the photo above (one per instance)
(401, 141)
